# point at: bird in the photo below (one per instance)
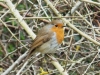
(48, 39)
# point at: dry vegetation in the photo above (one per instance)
(79, 53)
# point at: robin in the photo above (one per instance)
(48, 38)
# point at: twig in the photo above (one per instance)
(74, 8)
(15, 63)
(12, 33)
(92, 2)
(24, 65)
(90, 64)
(86, 21)
(19, 18)
(80, 60)
(58, 66)
(18, 73)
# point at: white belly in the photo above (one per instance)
(49, 47)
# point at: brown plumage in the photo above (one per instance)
(48, 38)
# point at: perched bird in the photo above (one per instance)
(48, 38)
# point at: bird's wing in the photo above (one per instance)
(43, 36)
(40, 39)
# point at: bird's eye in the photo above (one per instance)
(56, 25)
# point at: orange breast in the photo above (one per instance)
(59, 33)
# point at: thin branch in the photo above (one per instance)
(19, 18)
(92, 2)
(58, 66)
(90, 63)
(15, 63)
